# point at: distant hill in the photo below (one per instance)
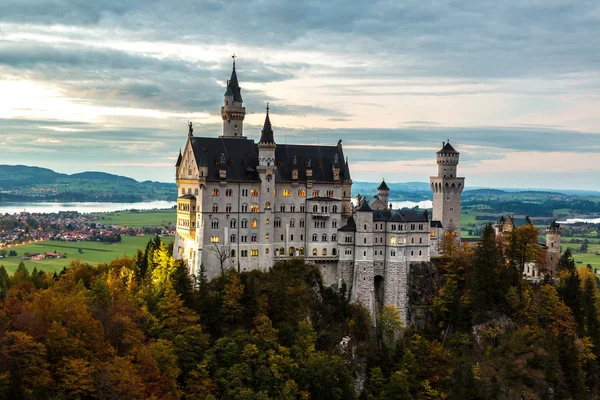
(23, 183)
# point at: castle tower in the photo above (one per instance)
(232, 112)
(553, 247)
(383, 193)
(447, 188)
(364, 278)
(266, 169)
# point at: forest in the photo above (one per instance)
(143, 328)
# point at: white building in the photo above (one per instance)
(248, 205)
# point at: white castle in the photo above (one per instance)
(248, 205)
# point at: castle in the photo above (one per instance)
(248, 205)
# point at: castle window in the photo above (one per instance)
(432, 234)
(301, 251)
(244, 253)
(196, 192)
(348, 252)
(334, 252)
(254, 192)
(245, 192)
(277, 223)
(412, 240)
(232, 238)
(393, 253)
(324, 252)
(302, 208)
(314, 237)
(232, 252)
(334, 238)
(330, 193)
(267, 236)
(393, 240)
(243, 239)
(215, 192)
(229, 192)
(334, 209)
(301, 193)
(214, 224)
(420, 227)
(244, 207)
(254, 223)
(215, 208)
(315, 193)
(287, 192)
(365, 253)
(228, 208)
(254, 208)
(348, 239)
(365, 227)
(214, 239)
(315, 208)
(365, 240)
(301, 223)
(324, 237)
(401, 227)
(254, 252)
(232, 223)
(267, 205)
(254, 238)
(267, 221)
(291, 238)
(301, 237)
(419, 252)
(182, 190)
(314, 251)
(292, 223)
(266, 251)
(420, 240)
(292, 208)
(244, 223)
(334, 223)
(282, 208)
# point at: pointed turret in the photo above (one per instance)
(267, 131)
(383, 193)
(232, 112)
(233, 87)
(179, 159)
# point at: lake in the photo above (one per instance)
(577, 220)
(88, 207)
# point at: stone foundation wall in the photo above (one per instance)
(363, 285)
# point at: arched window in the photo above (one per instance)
(214, 239)
(334, 209)
(229, 192)
(334, 238)
(196, 192)
(292, 223)
(254, 192)
(282, 208)
(302, 208)
(232, 238)
(292, 208)
(314, 237)
(215, 192)
(214, 223)
(244, 223)
(301, 193)
(301, 223)
(334, 252)
(301, 251)
(393, 240)
(287, 192)
(412, 240)
(254, 223)
(277, 223)
(281, 251)
(244, 207)
(315, 208)
(324, 237)
(314, 251)
(254, 208)
(232, 223)
(267, 205)
(324, 252)
(232, 252)
(334, 223)
(292, 251)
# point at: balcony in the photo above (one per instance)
(321, 215)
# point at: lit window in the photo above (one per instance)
(254, 223)
(393, 240)
(315, 193)
(215, 208)
(254, 253)
(254, 208)
(314, 251)
(267, 221)
(215, 192)
(324, 252)
(292, 223)
(214, 239)
(301, 193)
(266, 236)
(266, 251)
(268, 205)
(287, 192)
(254, 192)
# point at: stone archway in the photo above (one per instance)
(378, 285)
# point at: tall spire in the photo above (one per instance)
(233, 87)
(267, 131)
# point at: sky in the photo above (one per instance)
(110, 86)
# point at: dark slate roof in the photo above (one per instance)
(267, 131)
(187, 196)
(349, 227)
(447, 148)
(383, 186)
(402, 215)
(325, 155)
(364, 206)
(178, 159)
(554, 225)
(321, 198)
(436, 224)
(241, 157)
(233, 87)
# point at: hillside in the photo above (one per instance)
(23, 183)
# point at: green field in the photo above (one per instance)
(93, 252)
(139, 219)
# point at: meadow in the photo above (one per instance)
(92, 252)
(139, 219)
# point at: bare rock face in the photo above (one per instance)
(492, 329)
(423, 283)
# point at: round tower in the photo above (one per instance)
(232, 111)
(383, 193)
(447, 188)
